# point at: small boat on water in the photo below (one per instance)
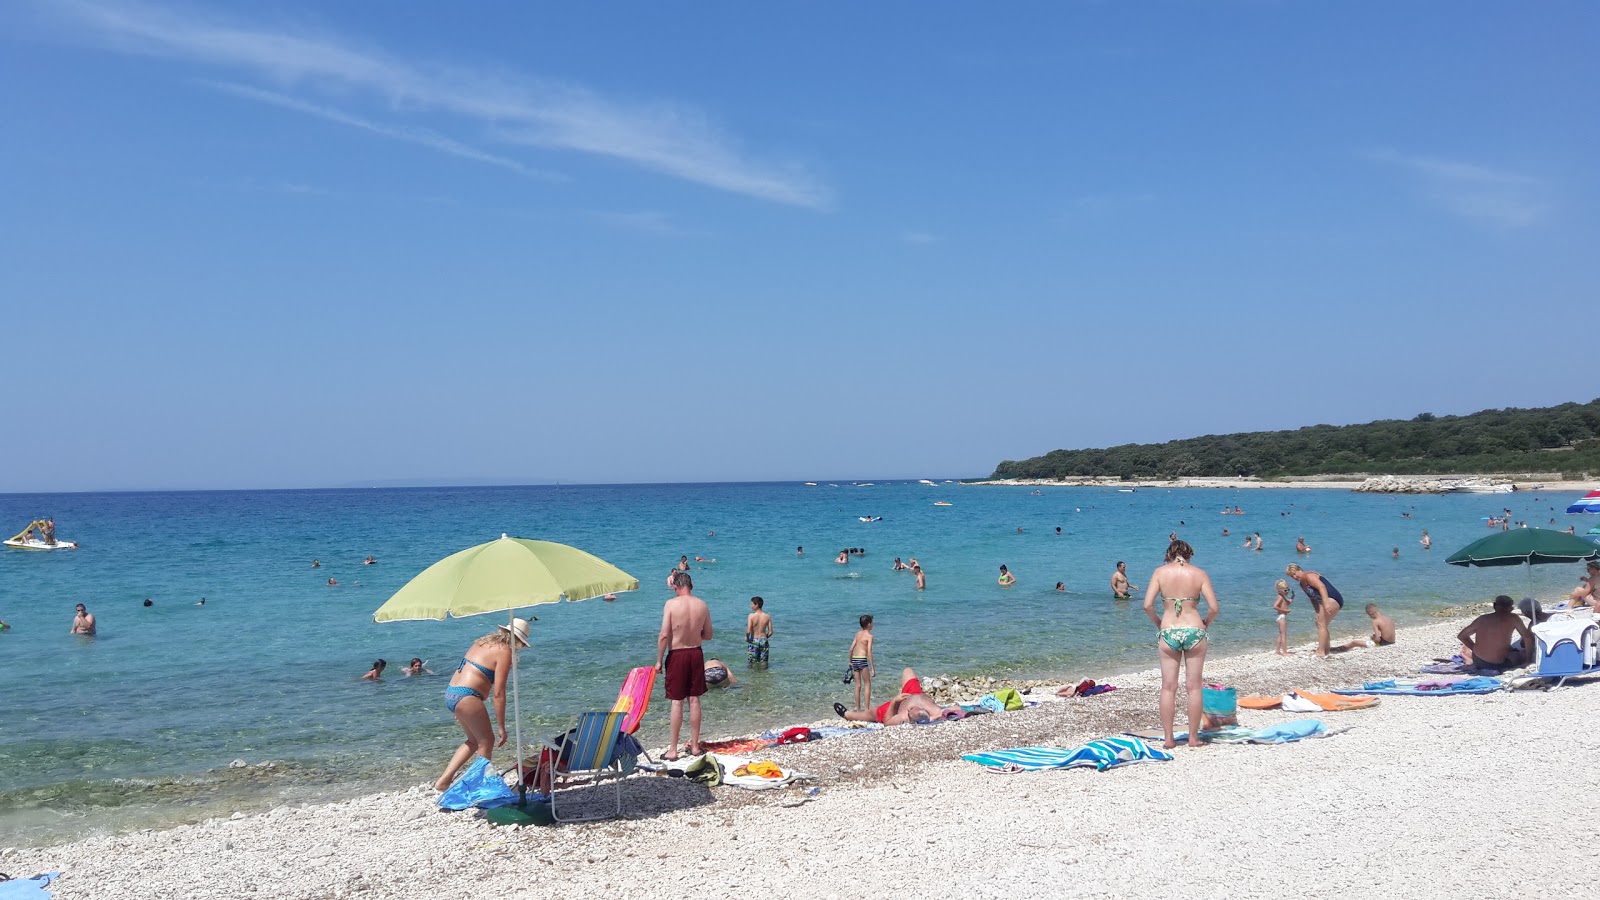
(942, 503)
(39, 535)
(811, 484)
(927, 482)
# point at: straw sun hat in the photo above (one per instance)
(517, 629)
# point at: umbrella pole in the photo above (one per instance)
(516, 715)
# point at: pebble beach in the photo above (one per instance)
(1471, 796)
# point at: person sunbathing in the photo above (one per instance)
(910, 705)
(1486, 641)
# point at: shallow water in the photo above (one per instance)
(138, 726)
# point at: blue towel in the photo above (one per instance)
(1287, 732)
(28, 888)
(1479, 685)
(1103, 754)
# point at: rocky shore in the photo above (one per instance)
(1408, 790)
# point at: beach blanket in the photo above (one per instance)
(1105, 753)
(1261, 702)
(28, 888)
(1284, 733)
(824, 731)
(1434, 687)
(1336, 702)
(744, 745)
(751, 780)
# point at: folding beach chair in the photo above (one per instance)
(586, 758)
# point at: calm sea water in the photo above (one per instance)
(138, 726)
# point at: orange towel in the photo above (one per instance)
(1260, 702)
(1337, 702)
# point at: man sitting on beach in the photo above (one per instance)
(1486, 641)
(910, 705)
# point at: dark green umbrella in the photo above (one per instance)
(1525, 545)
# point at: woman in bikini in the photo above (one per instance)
(1181, 640)
(484, 670)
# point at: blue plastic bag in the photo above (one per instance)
(480, 786)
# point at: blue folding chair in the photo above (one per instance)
(587, 758)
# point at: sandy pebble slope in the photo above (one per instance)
(1426, 797)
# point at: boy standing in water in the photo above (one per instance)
(757, 633)
(861, 668)
(1280, 605)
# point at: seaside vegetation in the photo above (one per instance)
(1563, 438)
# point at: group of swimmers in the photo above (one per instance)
(417, 666)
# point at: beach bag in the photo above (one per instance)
(1220, 705)
(480, 786)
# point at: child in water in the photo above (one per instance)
(377, 670)
(1280, 605)
(861, 668)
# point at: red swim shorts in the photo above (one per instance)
(913, 686)
(686, 673)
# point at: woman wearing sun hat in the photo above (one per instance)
(485, 669)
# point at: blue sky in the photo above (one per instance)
(304, 244)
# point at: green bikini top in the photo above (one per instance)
(1178, 601)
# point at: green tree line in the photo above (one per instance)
(1563, 438)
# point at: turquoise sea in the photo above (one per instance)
(138, 726)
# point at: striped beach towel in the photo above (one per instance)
(1102, 754)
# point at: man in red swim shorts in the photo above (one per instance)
(910, 705)
(685, 625)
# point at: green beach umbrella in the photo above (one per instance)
(1532, 546)
(503, 576)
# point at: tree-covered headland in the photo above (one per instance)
(1563, 438)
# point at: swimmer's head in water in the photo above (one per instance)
(757, 602)
(1002, 567)
(866, 621)
(378, 664)
(416, 662)
(1121, 565)
(80, 608)
(1179, 549)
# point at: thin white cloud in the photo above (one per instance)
(511, 107)
(1482, 194)
(647, 221)
(422, 136)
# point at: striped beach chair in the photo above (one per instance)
(587, 759)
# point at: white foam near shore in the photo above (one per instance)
(1424, 797)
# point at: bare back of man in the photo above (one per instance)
(1488, 637)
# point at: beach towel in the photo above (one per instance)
(1206, 734)
(1105, 753)
(1445, 668)
(479, 786)
(1331, 702)
(28, 888)
(1288, 732)
(743, 745)
(1261, 702)
(752, 780)
(1437, 687)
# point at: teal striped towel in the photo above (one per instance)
(1102, 754)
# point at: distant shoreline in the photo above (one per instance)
(1317, 482)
